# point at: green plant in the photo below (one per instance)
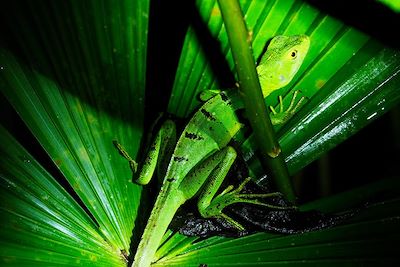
(75, 72)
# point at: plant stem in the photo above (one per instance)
(250, 91)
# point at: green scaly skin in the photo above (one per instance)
(201, 157)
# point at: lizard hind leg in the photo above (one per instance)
(230, 196)
(157, 155)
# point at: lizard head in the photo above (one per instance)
(281, 61)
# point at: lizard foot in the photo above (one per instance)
(230, 196)
(132, 164)
(284, 115)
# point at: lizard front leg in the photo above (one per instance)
(282, 115)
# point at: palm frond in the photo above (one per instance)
(369, 238)
(41, 224)
(75, 72)
(82, 92)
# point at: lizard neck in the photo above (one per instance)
(236, 99)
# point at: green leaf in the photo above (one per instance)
(82, 92)
(370, 237)
(42, 225)
(344, 106)
(393, 4)
(75, 72)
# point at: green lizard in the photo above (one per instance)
(197, 163)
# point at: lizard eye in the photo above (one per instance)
(293, 54)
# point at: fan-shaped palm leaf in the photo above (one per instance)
(75, 73)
